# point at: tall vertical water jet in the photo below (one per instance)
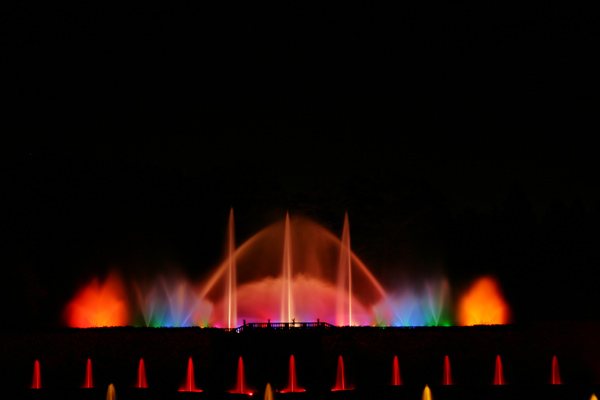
(340, 380)
(447, 376)
(37, 380)
(498, 374)
(396, 373)
(88, 375)
(269, 392)
(190, 384)
(141, 381)
(111, 393)
(344, 277)
(292, 381)
(427, 394)
(286, 298)
(555, 372)
(231, 290)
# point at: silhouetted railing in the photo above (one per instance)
(284, 325)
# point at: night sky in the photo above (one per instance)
(458, 137)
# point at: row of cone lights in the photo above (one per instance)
(293, 387)
(340, 383)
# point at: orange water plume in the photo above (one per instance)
(99, 304)
(483, 304)
(426, 394)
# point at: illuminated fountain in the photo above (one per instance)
(498, 374)
(190, 383)
(269, 392)
(340, 379)
(396, 373)
(292, 270)
(111, 393)
(141, 381)
(555, 372)
(447, 376)
(37, 380)
(88, 384)
(241, 380)
(292, 382)
(426, 394)
(297, 270)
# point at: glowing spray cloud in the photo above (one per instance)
(419, 305)
(99, 304)
(483, 304)
(293, 270)
(172, 302)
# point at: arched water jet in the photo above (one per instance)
(314, 255)
(37, 380)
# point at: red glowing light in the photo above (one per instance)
(499, 373)
(98, 305)
(142, 383)
(37, 381)
(483, 304)
(190, 383)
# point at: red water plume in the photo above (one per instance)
(340, 380)
(89, 383)
(37, 380)
(396, 381)
(447, 375)
(292, 385)
(498, 373)
(142, 383)
(190, 382)
(555, 372)
(483, 304)
(98, 304)
(241, 387)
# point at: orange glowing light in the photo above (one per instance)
(98, 305)
(483, 304)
